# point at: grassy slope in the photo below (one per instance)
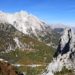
(65, 72)
(40, 54)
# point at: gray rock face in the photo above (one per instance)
(66, 43)
(9, 38)
(64, 55)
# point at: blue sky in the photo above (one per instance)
(52, 11)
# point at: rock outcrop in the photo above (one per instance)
(64, 55)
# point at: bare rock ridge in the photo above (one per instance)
(64, 55)
(67, 40)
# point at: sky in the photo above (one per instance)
(51, 11)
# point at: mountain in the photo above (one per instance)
(18, 48)
(13, 27)
(59, 30)
(64, 58)
(59, 25)
(25, 40)
(24, 22)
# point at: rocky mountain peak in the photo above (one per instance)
(22, 21)
(66, 42)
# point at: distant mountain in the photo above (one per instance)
(59, 30)
(64, 58)
(53, 26)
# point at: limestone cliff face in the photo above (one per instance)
(64, 55)
(66, 43)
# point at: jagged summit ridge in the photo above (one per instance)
(27, 25)
(22, 21)
(67, 42)
(64, 55)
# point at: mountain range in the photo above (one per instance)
(26, 40)
(64, 58)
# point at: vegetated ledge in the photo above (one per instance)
(65, 71)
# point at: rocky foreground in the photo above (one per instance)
(64, 57)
